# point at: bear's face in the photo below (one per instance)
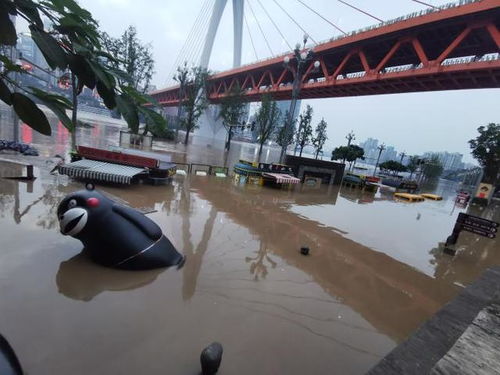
(77, 209)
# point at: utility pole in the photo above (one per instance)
(380, 149)
(302, 57)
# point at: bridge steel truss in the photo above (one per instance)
(455, 48)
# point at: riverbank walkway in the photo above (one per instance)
(462, 338)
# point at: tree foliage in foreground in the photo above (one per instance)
(73, 43)
(486, 150)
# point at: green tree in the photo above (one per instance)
(432, 168)
(320, 136)
(232, 111)
(350, 153)
(393, 166)
(266, 120)
(413, 165)
(285, 134)
(73, 43)
(486, 150)
(181, 77)
(304, 133)
(195, 99)
(132, 57)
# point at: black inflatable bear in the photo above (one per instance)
(115, 235)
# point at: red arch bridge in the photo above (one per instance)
(455, 47)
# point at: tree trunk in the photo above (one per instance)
(75, 110)
(229, 136)
(282, 154)
(317, 154)
(260, 151)
(301, 148)
(186, 138)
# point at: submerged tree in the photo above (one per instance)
(350, 153)
(413, 165)
(486, 150)
(320, 136)
(73, 43)
(232, 112)
(266, 120)
(284, 136)
(304, 133)
(195, 100)
(393, 166)
(432, 168)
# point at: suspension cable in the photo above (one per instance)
(325, 19)
(275, 26)
(260, 28)
(250, 35)
(300, 27)
(194, 32)
(428, 5)
(195, 49)
(360, 10)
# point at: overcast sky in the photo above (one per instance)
(415, 123)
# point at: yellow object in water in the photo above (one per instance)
(409, 197)
(432, 196)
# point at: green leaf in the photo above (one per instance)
(128, 111)
(60, 112)
(10, 66)
(108, 96)
(5, 93)
(153, 119)
(30, 113)
(51, 50)
(102, 76)
(8, 35)
(58, 99)
(29, 9)
(120, 74)
(136, 95)
(78, 65)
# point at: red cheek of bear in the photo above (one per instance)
(93, 202)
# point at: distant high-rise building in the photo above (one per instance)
(371, 152)
(449, 161)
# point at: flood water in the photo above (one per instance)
(375, 273)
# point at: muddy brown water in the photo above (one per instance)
(375, 272)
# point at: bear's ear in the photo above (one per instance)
(89, 186)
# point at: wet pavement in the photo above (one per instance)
(375, 272)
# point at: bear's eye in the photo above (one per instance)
(72, 203)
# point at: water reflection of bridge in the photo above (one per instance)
(392, 296)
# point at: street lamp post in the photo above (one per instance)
(302, 57)
(380, 148)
